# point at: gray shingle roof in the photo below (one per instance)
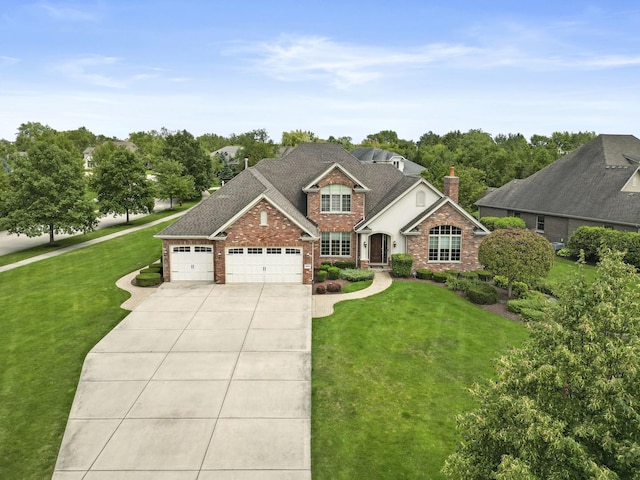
(377, 155)
(584, 184)
(282, 180)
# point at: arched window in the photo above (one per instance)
(420, 199)
(445, 244)
(335, 199)
(263, 218)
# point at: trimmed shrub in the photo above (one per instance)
(484, 275)
(482, 294)
(321, 276)
(500, 281)
(468, 275)
(544, 286)
(424, 274)
(533, 303)
(453, 273)
(148, 279)
(459, 284)
(532, 315)
(498, 223)
(440, 277)
(343, 264)
(591, 239)
(333, 287)
(520, 289)
(324, 266)
(567, 253)
(357, 275)
(151, 270)
(321, 289)
(401, 264)
(333, 273)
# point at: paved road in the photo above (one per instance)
(15, 243)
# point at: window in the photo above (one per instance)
(263, 218)
(445, 244)
(254, 251)
(181, 249)
(420, 199)
(540, 223)
(335, 244)
(335, 199)
(235, 251)
(203, 249)
(274, 251)
(293, 251)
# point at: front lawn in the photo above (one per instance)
(53, 312)
(390, 374)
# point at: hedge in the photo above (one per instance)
(344, 264)
(424, 274)
(498, 223)
(482, 293)
(591, 239)
(357, 275)
(440, 277)
(484, 275)
(151, 270)
(401, 264)
(148, 279)
(324, 266)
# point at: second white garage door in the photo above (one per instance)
(264, 265)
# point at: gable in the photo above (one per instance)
(336, 173)
(445, 212)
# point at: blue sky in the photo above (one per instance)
(341, 68)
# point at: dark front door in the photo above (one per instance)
(376, 249)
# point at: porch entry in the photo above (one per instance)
(379, 248)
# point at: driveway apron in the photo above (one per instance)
(200, 382)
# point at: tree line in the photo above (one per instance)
(37, 168)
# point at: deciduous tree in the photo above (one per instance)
(565, 404)
(48, 193)
(184, 148)
(520, 255)
(121, 184)
(171, 181)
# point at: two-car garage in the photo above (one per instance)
(242, 264)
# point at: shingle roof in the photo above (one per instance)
(377, 155)
(584, 184)
(282, 180)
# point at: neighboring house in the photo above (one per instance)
(277, 221)
(228, 153)
(377, 155)
(88, 152)
(595, 185)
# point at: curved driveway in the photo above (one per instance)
(200, 381)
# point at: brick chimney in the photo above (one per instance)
(451, 185)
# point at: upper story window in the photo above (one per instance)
(263, 218)
(420, 199)
(335, 199)
(540, 223)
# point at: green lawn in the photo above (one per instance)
(390, 374)
(53, 312)
(69, 241)
(563, 269)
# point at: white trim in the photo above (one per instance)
(455, 206)
(358, 187)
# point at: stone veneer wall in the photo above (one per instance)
(418, 245)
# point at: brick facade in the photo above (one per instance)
(418, 245)
(335, 222)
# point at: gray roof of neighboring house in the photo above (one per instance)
(584, 184)
(282, 180)
(230, 150)
(377, 155)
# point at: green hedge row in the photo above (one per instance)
(148, 279)
(591, 239)
(357, 275)
(498, 223)
(401, 264)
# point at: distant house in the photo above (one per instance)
(228, 153)
(88, 152)
(278, 220)
(377, 155)
(595, 185)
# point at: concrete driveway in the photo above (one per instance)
(201, 382)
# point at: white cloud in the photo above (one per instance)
(90, 69)
(6, 61)
(68, 13)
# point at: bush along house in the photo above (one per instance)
(278, 220)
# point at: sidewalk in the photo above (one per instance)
(323, 304)
(60, 251)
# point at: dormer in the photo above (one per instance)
(633, 184)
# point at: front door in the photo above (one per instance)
(378, 248)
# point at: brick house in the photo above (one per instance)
(277, 221)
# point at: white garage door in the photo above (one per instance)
(192, 262)
(264, 264)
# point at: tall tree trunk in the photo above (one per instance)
(51, 233)
(127, 210)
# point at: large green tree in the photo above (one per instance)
(121, 184)
(184, 148)
(47, 193)
(296, 137)
(566, 404)
(518, 254)
(171, 181)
